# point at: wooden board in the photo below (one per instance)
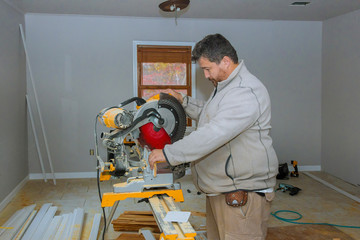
(134, 221)
(135, 236)
(186, 227)
(160, 209)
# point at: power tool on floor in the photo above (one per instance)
(294, 173)
(287, 187)
(283, 171)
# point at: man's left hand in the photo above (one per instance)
(156, 156)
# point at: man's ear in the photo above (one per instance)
(226, 61)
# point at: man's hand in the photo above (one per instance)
(156, 156)
(175, 94)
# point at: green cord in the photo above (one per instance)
(293, 220)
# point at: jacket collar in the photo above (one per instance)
(236, 71)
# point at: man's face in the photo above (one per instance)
(213, 71)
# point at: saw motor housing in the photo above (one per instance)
(133, 134)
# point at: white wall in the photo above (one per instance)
(82, 64)
(341, 98)
(13, 131)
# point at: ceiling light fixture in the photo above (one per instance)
(174, 6)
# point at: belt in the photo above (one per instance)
(261, 194)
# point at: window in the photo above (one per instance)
(161, 67)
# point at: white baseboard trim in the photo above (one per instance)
(306, 168)
(12, 194)
(64, 175)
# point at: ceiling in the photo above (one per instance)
(317, 10)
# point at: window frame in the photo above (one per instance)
(161, 43)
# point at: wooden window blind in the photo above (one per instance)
(163, 67)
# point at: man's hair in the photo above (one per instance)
(214, 47)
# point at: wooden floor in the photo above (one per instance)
(316, 202)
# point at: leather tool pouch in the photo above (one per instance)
(236, 199)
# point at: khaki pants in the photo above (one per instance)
(248, 222)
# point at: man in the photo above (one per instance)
(233, 160)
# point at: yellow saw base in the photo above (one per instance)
(109, 199)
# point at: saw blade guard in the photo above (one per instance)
(153, 137)
(173, 124)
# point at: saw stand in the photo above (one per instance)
(161, 201)
(161, 196)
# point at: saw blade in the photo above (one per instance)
(174, 116)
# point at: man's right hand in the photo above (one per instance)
(175, 94)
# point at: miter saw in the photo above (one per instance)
(134, 133)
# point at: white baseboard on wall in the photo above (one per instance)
(12, 194)
(64, 175)
(306, 168)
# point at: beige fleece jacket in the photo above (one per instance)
(231, 148)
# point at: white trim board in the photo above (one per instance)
(63, 175)
(12, 194)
